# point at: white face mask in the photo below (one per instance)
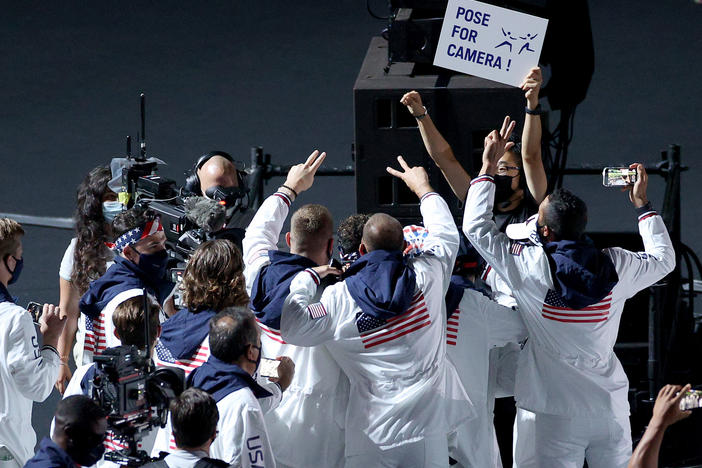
(110, 209)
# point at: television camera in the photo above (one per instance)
(134, 395)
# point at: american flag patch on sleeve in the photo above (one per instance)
(516, 248)
(316, 310)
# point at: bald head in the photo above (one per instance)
(382, 232)
(311, 228)
(217, 170)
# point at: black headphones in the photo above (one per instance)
(192, 182)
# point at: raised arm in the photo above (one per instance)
(478, 225)
(443, 238)
(531, 138)
(437, 147)
(263, 232)
(666, 411)
(640, 270)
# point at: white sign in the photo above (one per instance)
(490, 42)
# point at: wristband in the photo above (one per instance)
(644, 209)
(293, 191)
(420, 117)
(536, 111)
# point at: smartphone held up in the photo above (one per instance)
(618, 176)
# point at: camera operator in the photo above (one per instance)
(86, 258)
(128, 322)
(194, 418)
(235, 343)
(215, 176)
(76, 438)
(27, 372)
(213, 280)
(140, 262)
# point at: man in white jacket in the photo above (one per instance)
(27, 371)
(311, 413)
(571, 296)
(235, 346)
(385, 325)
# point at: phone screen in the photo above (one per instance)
(269, 368)
(618, 176)
(35, 309)
(691, 400)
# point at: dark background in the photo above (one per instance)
(231, 75)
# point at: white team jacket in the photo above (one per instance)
(568, 366)
(403, 388)
(102, 336)
(477, 326)
(231, 443)
(27, 374)
(311, 414)
(242, 439)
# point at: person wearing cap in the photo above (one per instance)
(521, 185)
(571, 296)
(140, 263)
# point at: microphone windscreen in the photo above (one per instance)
(205, 213)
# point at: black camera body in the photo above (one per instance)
(134, 396)
(188, 219)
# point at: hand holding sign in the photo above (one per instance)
(532, 85)
(489, 41)
(413, 101)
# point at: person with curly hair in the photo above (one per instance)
(213, 280)
(86, 259)
(348, 238)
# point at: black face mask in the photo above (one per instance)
(503, 188)
(231, 196)
(19, 263)
(154, 265)
(86, 456)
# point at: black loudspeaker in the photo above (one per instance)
(464, 108)
(413, 35)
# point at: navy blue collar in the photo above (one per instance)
(122, 276)
(5, 295)
(381, 283)
(183, 333)
(272, 285)
(50, 455)
(582, 274)
(219, 379)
